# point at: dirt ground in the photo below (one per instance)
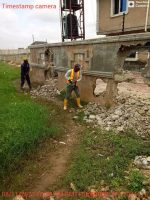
(57, 159)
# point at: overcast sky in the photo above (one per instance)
(18, 25)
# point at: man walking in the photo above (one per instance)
(25, 69)
(73, 76)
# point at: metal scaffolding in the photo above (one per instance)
(72, 20)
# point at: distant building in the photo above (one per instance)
(110, 20)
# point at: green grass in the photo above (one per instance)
(102, 159)
(135, 181)
(23, 122)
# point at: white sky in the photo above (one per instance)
(18, 26)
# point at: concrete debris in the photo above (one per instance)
(143, 193)
(47, 91)
(132, 112)
(72, 186)
(92, 117)
(18, 197)
(100, 87)
(75, 117)
(62, 142)
(142, 162)
(105, 189)
(52, 198)
(93, 193)
(125, 77)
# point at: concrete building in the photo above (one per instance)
(122, 16)
(14, 55)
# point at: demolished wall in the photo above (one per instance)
(102, 61)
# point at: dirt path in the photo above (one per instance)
(57, 160)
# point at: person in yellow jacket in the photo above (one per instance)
(73, 76)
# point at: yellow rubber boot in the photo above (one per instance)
(78, 103)
(65, 104)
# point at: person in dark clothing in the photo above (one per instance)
(25, 69)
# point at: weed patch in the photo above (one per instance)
(101, 160)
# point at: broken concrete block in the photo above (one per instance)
(123, 77)
(18, 197)
(100, 87)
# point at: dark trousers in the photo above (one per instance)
(70, 88)
(27, 78)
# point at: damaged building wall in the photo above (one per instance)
(102, 63)
(65, 56)
(88, 53)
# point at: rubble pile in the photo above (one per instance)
(132, 112)
(142, 162)
(47, 91)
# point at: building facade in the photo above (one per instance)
(122, 16)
